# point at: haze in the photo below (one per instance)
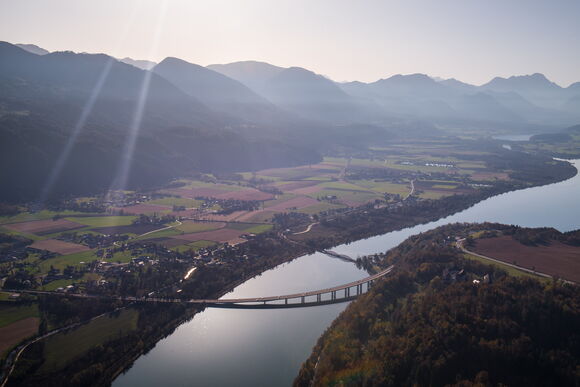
(469, 40)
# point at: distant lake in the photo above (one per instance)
(229, 347)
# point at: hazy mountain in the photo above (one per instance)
(413, 85)
(574, 88)
(41, 100)
(458, 86)
(139, 63)
(536, 88)
(33, 48)
(484, 107)
(415, 95)
(216, 90)
(312, 96)
(251, 73)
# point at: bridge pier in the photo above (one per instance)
(319, 297)
(302, 299)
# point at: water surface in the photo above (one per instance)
(232, 347)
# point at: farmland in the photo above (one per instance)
(555, 258)
(208, 210)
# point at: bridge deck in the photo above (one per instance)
(295, 295)
(237, 302)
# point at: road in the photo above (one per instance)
(307, 229)
(218, 301)
(20, 350)
(412, 190)
(161, 229)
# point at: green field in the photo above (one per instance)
(385, 187)
(191, 227)
(160, 234)
(193, 246)
(322, 206)
(63, 348)
(508, 269)
(41, 215)
(10, 313)
(104, 221)
(252, 228)
(52, 286)
(62, 261)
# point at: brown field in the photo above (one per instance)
(256, 216)
(195, 192)
(59, 247)
(48, 226)
(297, 173)
(556, 259)
(12, 334)
(222, 235)
(299, 202)
(144, 209)
(245, 194)
(186, 213)
(167, 242)
(490, 176)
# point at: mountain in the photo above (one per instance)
(139, 63)
(312, 96)
(536, 88)
(458, 86)
(219, 92)
(251, 73)
(43, 97)
(415, 95)
(484, 107)
(413, 85)
(33, 49)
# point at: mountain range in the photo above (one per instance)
(228, 117)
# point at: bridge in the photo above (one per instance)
(334, 295)
(334, 254)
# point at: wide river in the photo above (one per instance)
(232, 347)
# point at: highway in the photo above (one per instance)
(238, 301)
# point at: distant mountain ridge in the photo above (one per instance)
(139, 63)
(230, 117)
(33, 48)
(215, 90)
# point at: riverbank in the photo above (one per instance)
(439, 321)
(396, 220)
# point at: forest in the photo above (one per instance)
(432, 324)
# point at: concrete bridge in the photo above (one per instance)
(334, 254)
(334, 295)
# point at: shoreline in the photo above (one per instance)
(170, 326)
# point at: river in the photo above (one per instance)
(232, 347)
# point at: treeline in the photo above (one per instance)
(424, 327)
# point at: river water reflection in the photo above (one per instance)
(227, 347)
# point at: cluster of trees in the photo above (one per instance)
(416, 328)
(543, 236)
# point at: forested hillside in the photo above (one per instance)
(432, 325)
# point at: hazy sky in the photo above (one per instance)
(471, 40)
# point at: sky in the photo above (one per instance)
(365, 40)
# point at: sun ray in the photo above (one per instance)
(121, 180)
(60, 163)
